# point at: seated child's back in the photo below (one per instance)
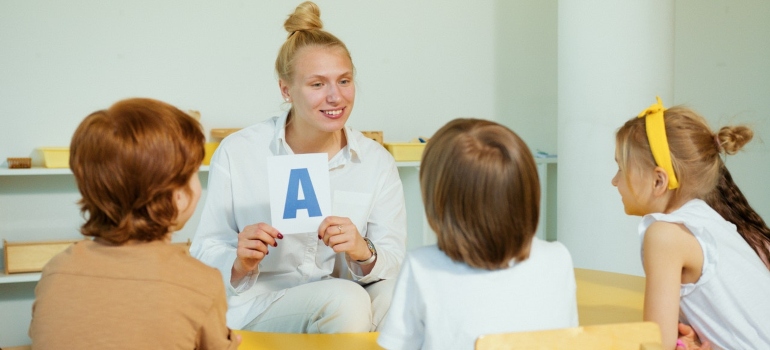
(136, 166)
(488, 273)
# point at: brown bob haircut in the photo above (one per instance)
(127, 161)
(481, 193)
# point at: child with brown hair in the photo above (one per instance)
(136, 166)
(703, 246)
(488, 273)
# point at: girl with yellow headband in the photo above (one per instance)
(704, 249)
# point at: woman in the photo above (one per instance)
(293, 289)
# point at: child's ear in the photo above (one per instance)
(660, 185)
(181, 199)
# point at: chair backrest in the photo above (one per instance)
(620, 336)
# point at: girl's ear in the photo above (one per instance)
(660, 178)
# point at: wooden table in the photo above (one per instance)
(608, 297)
(343, 341)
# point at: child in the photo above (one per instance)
(700, 268)
(136, 166)
(488, 273)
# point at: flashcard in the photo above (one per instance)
(300, 195)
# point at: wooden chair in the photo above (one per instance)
(620, 336)
(343, 341)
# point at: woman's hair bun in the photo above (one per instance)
(307, 16)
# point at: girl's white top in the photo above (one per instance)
(730, 304)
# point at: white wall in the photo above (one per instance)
(525, 81)
(525, 70)
(723, 72)
(721, 69)
(419, 63)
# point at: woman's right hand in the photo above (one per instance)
(252, 248)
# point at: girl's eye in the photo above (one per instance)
(316, 85)
(345, 81)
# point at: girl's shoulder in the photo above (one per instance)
(694, 216)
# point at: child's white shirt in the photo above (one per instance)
(729, 305)
(442, 304)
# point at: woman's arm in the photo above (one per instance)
(386, 227)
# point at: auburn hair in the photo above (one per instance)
(481, 193)
(127, 161)
(696, 156)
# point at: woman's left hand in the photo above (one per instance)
(340, 234)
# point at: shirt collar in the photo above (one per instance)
(351, 152)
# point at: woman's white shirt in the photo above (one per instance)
(365, 187)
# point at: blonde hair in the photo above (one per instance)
(305, 29)
(696, 154)
(481, 192)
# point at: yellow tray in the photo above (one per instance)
(56, 157)
(405, 151)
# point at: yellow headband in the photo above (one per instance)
(656, 135)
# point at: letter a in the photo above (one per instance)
(297, 178)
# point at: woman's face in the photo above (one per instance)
(322, 90)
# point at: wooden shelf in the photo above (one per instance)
(19, 277)
(4, 171)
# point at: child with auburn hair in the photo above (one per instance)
(703, 246)
(136, 166)
(488, 273)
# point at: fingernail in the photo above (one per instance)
(268, 252)
(679, 343)
(319, 236)
(280, 236)
(275, 244)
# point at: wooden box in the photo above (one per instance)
(219, 134)
(19, 163)
(31, 256)
(23, 257)
(374, 135)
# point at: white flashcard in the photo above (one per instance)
(300, 194)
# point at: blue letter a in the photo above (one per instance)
(301, 177)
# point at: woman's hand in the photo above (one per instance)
(340, 234)
(252, 248)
